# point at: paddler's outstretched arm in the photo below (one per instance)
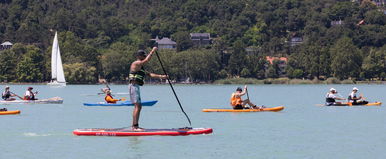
(148, 57)
(153, 75)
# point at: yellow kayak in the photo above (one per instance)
(9, 112)
(274, 109)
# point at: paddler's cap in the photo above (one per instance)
(355, 89)
(140, 53)
(30, 88)
(6, 87)
(239, 89)
(332, 89)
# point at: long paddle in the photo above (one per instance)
(107, 86)
(171, 86)
(17, 96)
(246, 89)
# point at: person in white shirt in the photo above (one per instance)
(331, 98)
(355, 99)
(29, 95)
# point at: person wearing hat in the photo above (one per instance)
(354, 99)
(29, 95)
(107, 88)
(331, 98)
(238, 103)
(7, 94)
(109, 98)
(136, 79)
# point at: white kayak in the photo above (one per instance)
(53, 100)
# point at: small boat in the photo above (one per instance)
(125, 103)
(54, 100)
(10, 112)
(144, 132)
(350, 104)
(57, 73)
(274, 109)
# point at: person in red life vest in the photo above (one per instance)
(109, 98)
(29, 95)
(238, 103)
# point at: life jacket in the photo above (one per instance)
(110, 99)
(236, 100)
(329, 99)
(353, 98)
(138, 76)
(6, 95)
(31, 97)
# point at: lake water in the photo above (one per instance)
(301, 130)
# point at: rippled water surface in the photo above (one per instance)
(301, 130)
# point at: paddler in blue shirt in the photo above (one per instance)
(136, 79)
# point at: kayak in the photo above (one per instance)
(144, 132)
(54, 100)
(126, 103)
(350, 104)
(274, 109)
(11, 112)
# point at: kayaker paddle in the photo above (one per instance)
(246, 89)
(171, 86)
(17, 96)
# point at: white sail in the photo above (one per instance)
(59, 68)
(57, 73)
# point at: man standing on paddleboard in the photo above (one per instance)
(136, 79)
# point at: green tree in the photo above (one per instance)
(30, 68)
(346, 59)
(183, 40)
(238, 58)
(375, 63)
(79, 73)
(8, 62)
(116, 61)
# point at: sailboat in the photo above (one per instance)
(57, 74)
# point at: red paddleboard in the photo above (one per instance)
(144, 132)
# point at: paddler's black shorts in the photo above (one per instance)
(238, 107)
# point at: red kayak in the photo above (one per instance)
(144, 132)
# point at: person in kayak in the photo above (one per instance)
(354, 99)
(109, 98)
(331, 98)
(3, 110)
(29, 95)
(238, 103)
(136, 79)
(7, 94)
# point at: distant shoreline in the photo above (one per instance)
(229, 81)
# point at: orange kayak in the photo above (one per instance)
(9, 112)
(274, 109)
